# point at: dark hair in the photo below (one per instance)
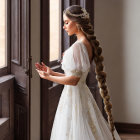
(85, 25)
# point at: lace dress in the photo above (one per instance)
(78, 116)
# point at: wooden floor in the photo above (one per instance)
(130, 136)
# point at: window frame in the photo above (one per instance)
(6, 70)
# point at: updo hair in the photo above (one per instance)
(86, 27)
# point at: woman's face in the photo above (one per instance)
(69, 26)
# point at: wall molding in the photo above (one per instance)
(127, 128)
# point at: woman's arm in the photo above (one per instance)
(57, 74)
(65, 80)
(43, 67)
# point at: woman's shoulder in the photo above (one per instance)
(76, 44)
(84, 42)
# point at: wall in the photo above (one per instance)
(35, 80)
(117, 29)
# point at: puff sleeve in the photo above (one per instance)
(75, 60)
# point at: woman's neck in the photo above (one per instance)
(80, 35)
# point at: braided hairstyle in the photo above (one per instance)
(85, 26)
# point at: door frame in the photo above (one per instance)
(45, 43)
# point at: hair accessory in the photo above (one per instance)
(85, 14)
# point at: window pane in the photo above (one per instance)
(3, 48)
(54, 29)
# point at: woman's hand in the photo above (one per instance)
(43, 67)
(43, 74)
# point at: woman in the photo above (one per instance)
(78, 116)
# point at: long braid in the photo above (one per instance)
(100, 74)
(75, 14)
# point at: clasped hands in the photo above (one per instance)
(43, 70)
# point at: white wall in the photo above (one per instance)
(117, 28)
(35, 80)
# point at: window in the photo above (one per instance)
(3, 29)
(55, 27)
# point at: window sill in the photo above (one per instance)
(3, 121)
(6, 78)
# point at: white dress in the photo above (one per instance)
(78, 116)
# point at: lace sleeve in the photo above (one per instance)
(76, 60)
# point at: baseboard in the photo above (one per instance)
(127, 128)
